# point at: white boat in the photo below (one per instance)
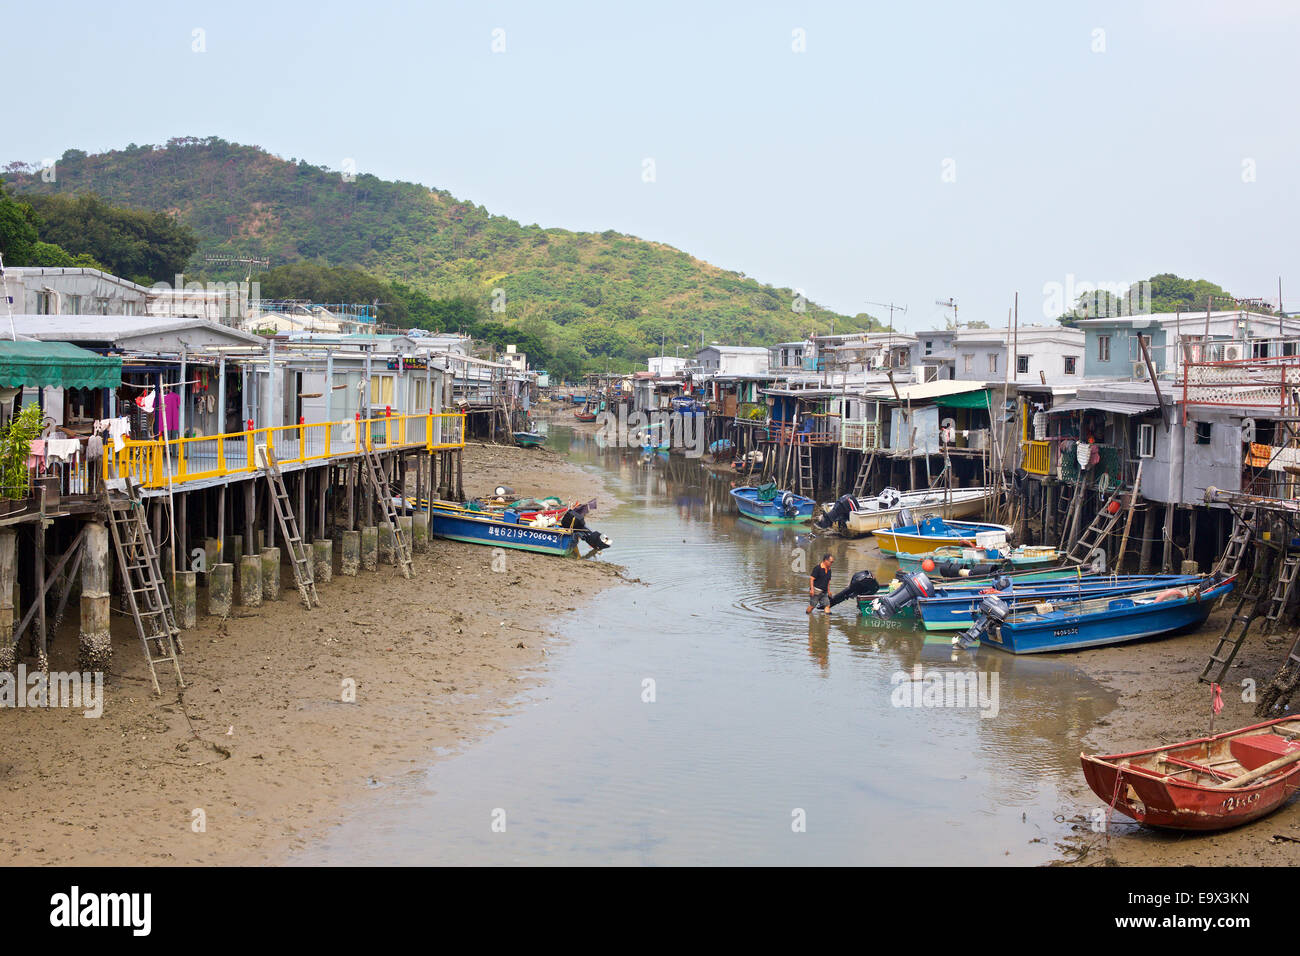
(865, 515)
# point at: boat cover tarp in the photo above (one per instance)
(56, 364)
(1087, 405)
(978, 399)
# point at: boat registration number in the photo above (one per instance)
(1236, 803)
(1065, 631)
(520, 534)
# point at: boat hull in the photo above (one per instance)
(966, 503)
(1134, 785)
(472, 529)
(771, 512)
(1120, 622)
(953, 609)
(909, 542)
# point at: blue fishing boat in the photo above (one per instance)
(1095, 622)
(765, 503)
(508, 529)
(529, 439)
(953, 609)
(979, 561)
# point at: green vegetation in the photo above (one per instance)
(15, 447)
(1169, 293)
(575, 301)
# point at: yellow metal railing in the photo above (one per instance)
(1036, 457)
(153, 463)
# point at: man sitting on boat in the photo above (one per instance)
(819, 585)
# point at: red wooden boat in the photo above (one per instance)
(1211, 783)
(585, 416)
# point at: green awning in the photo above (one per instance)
(976, 399)
(59, 364)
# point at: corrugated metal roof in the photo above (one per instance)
(110, 328)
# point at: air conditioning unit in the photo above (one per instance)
(1140, 370)
(1232, 353)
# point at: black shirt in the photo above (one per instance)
(821, 578)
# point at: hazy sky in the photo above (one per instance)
(909, 153)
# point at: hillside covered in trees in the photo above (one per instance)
(583, 299)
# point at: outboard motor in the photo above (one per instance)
(903, 518)
(910, 587)
(838, 513)
(789, 507)
(862, 584)
(991, 610)
(1001, 583)
(573, 520)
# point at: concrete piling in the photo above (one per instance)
(387, 548)
(420, 532)
(184, 597)
(270, 574)
(211, 553)
(94, 643)
(221, 589)
(322, 565)
(350, 560)
(370, 548)
(250, 581)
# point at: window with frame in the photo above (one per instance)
(1146, 441)
(1022, 364)
(929, 347)
(1202, 433)
(968, 363)
(1103, 348)
(1071, 364)
(993, 363)
(381, 390)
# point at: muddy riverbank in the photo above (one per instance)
(260, 752)
(1160, 701)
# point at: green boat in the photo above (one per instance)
(529, 439)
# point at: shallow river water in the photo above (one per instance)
(702, 717)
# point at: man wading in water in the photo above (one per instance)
(819, 585)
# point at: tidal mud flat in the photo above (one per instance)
(260, 751)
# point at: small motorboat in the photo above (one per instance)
(1210, 783)
(585, 416)
(767, 504)
(529, 439)
(909, 537)
(858, 517)
(1074, 624)
(540, 532)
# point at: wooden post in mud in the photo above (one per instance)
(250, 520)
(321, 485)
(1148, 538)
(352, 495)
(8, 572)
(1167, 560)
(460, 475)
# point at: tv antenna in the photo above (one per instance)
(892, 309)
(949, 303)
(251, 263)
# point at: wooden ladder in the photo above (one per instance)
(146, 596)
(1282, 589)
(804, 451)
(864, 474)
(1097, 532)
(379, 484)
(288, 522)
(1243, 533)
(1234, 632)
